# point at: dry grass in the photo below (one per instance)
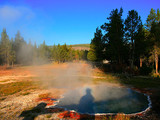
(22, 86)
(45, 95)
(15, 87)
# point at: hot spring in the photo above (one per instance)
(103, 99)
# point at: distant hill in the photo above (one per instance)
(81, 46)
(78, 46)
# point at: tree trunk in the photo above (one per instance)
(8, 62)
(132, 63)
(12, 63)
(156, 61)
(132, 53)
(141, 61)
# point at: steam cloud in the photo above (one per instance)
(67, 75)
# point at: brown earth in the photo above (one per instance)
(32, 103)
(14, 106)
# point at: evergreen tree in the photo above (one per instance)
(5, 48)
(55, 53)
(35, 53)
(12, 53)
(152, 24)
(44, 52)
(98, 44)
(64, 53)
(140, 45)
(155, 36)
(114, 48)
(19, 47)
(92, 54)
(150, 19)
(132, 25)
(29, 53)
(70, 53)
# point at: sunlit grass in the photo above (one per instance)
(15, 87)
(4, 81)
(141, 82)
(135, 81)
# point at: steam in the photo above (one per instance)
(66, 75)
(99, 93)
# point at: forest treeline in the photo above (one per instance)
(128, 44)
(18, 51)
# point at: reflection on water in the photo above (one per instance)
(104, 99)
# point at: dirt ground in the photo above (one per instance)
(12, 105)
(47, 82)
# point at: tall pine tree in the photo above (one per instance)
(96, 47)
(152, 24)
(5, 48)
(114, 40)
(132, 25)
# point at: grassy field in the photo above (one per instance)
(134, 81)
(15, 87)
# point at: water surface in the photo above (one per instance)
(104, 99)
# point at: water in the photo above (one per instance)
(104, 99)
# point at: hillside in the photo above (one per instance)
(81, 46)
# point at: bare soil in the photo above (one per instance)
(12, 106)
(52, 80)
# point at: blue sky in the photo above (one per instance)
(64, 21)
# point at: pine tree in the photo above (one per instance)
(92, 54)
(12, 53)
(64, 53)
(70, 53)
(35, 53)
(132, 25)
(43, 51)
(29, 53)
(54, 53)
(114, 48)
(19, 47)
(152, 24)
(140, 45)
(98, 44)
(5, 47)
(155, 36)
(150, 19)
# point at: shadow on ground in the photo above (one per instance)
(39, 110)
(85, 102)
